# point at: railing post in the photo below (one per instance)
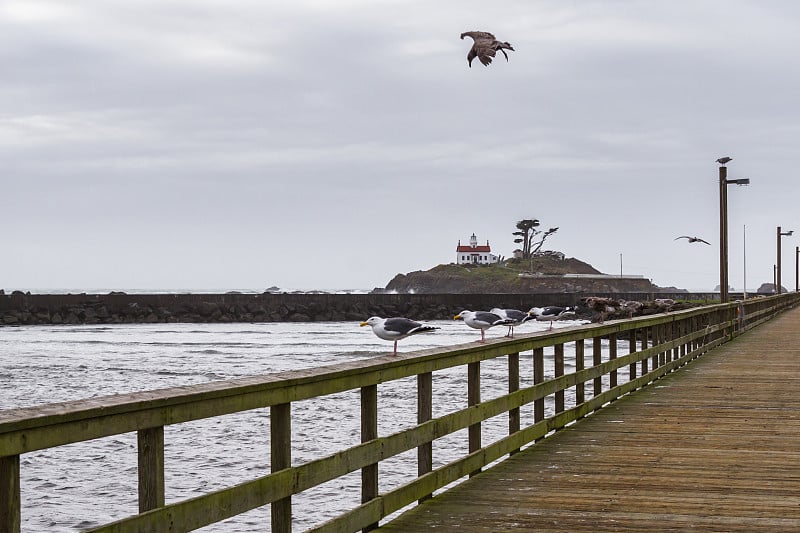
(10, 510)
(280, 422)
(654, 342)
(580, 388)
(369, 431)
(558, 359)
(513, 386)
(538, 377)
(644, 333)
(597, 359)
(632, 349)
(151, 468)
(424, 413)
(474, 398)
(612, 354)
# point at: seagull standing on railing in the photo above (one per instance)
(482, 320)
(394, 329)
(517, 317)
(551, 313)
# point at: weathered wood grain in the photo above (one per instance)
(715, 447)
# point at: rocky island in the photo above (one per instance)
(546, 273)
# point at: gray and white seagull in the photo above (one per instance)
(482, 320)
(396, 328)
(485, 46)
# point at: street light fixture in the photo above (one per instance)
(723, 224)
(778, 262)
(797, 269)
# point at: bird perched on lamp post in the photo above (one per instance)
(485, 46)
(723, 160)
(692, 239)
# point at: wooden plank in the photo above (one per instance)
(369, 432)
(9, 495)
(558, 371)
(711, 449)
(424, 413)
(474, 398)
(281, 459)
(151, 468)
(513, 386)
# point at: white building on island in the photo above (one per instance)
(474, 254)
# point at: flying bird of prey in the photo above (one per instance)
(723, 160)
(692, 239)
(485, 46)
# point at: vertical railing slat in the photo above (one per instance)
(612, 354)
(580, 388)
(632, 349)
(513, 386)
(280, 421)
(10, 510)
(597, 359)
(538, 377)
(474, 398)
(369, 431)
(424, 413)
(558, 359)
(151, 468)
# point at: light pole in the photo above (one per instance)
(797, 269)
(723, 225)
(778, 262)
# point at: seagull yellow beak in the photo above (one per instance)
(364, 324)
(457, 317)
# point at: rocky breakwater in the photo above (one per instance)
(119, 308)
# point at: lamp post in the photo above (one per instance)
(778, 262)
(723, 225)
(797, 269)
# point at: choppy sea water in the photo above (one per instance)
(74, 487)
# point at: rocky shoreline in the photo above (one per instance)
(118, 308)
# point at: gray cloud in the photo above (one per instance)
(321, 144)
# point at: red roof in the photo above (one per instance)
(477, 249)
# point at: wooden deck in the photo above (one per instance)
(712, 447)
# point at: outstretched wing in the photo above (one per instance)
(479, 35)
(701, 240)
(682, 237)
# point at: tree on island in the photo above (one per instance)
(526, 235)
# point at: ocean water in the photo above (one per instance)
(74, 487)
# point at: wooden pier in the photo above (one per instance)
(714, 447)
(684, 420)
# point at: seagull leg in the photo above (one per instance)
(395, 347)
(551, 326)
(483, 335)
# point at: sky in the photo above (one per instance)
(312, 144)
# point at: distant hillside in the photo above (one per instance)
(546, 275)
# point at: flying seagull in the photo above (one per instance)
(394, 329)
(485, 46)
(692, 239)
(723, 160)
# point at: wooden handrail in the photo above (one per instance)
(666, 342)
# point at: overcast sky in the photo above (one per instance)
(333, 144)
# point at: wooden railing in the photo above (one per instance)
(656, 345)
